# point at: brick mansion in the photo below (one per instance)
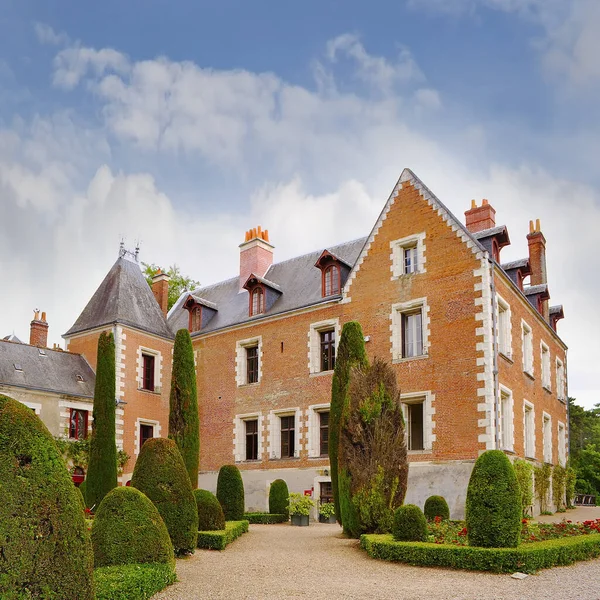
(473, 342)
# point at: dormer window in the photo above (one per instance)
(257, 301)
(262, 294)
(195, 318)
(200, 311)
(331, 280)
(334, 272)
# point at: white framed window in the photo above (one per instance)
(562, 444)
(36, 407)
(149, 369)
(504, 327)
(547, 437)
(408, 255)
(145, 429)
(545, 361)
(506, 422)
(318, 431)
(285, 436)
(528, 429)
(560, 380)
(323, 340)
(247, 436)
(248, 361)
(527, 344)
(410, 329)
(418, 421)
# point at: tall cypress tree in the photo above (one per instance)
(350, 353)
(102, 466)
(183, 405)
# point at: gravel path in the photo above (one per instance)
(317, 562)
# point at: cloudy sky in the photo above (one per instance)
(183, 123)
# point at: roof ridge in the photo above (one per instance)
(46, 349)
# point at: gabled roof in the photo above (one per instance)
(50, 371)
(124, 297)
(262, 280)
(201, 301)
(522, 263)
(541, 288)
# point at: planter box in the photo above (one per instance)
(300, 520)
(330, 519)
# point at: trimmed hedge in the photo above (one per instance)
(265, 518)
(410, 524)
(436, 506)
(161, 474)
(132, 582)
(527, 558)
(493, 507)
(128, 529)
(45, 550)
(230, 492)
(210, 513)
(218, 540)
(279, 498)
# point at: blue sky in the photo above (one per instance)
(199, 120)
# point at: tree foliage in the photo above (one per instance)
(373, 467)
(102, 468)
(584, 440)
(230, 492)
(524, 472)
(350, 353)
(177, 285)
(210, 512)
(183, 405)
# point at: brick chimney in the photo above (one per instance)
(478, 218)
(38, 334)
(160, 289)
(537, 260)
(256, 254)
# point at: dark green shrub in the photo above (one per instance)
(524, 472)
(493, 507)
(230, 492)
(132, 582)
(570, 486)
(183, 405)
(82, 489)
(128, 529)
(542, 476)
(102, 469)
(350, 352)
(559, 480)
(210, 512)
(218, 540)
(410, 524)
(161, 475)
(44, 547)
(265, 518)
(279, 498)
(436, 506)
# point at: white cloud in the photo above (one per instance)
(46, 35)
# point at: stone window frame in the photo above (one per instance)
(527, 332)
(506, 426)
(239, 436)
(547, 438)
(274, 437)
(397, 248)
(561, 431)
(397, 342)
(545, 366)
(504, 329)
(137, 438)
(241, 364)
(528, 407)
(313, 445)
(426, 398)
(314, 343)
(65, 407)
(560, 379)
(157, 369)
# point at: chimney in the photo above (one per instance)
(537, 260)
(38, 335)
(256, 254)
(160, 289)
(478, 218)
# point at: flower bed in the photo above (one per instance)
(257, 518)
(218, 540)
(132, 582)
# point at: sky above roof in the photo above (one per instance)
(180, 125)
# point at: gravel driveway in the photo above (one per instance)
(281, 561)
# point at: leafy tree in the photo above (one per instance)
(584, 438)
(183, 405)
(102, 469)
(587, 470)
(350, 352)
(177, 285)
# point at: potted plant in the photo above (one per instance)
(300, 509)
(327, 512)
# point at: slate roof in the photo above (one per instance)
(298, 278)
(54, 371)
(556, 310)
(12, 338)
(499, 229)
(123, 297)
(536, 289)
(516, 264)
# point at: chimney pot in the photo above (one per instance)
(478, 218)
(256, 254)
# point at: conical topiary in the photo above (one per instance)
(210, 512)
(230, 492)
(44, 547)
(279, 498)
(161, 475)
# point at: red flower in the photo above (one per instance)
(438, 519)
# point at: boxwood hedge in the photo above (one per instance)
(132, 582)
(218, 540)
(210, 513)
(279, 498)
(257, 518)
(230, 492)
(436, 506)
(410, 524)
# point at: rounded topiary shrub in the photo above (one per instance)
(230, 492)
(436, 506)
(279, 498)
(161, 474)
(44, 547)
(210, 512)
(128, 529)
(493, 508)
(410, 524)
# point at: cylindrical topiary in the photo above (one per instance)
(279, 498)
(493, 507)
(44, 547)
(436, 506)
(210, 512)
(128, 529)
(183, 405)
(230, 492)
(410, 524)
(161, 474)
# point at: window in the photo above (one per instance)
(331, 280)
(248, 361)
(78, 424)
(408, 255)
(327, 350)
(562, 444)
(326, 492)
(324, 433)
(252, 364)
(287, 436)
(196, 318)
(528, 430)
(418, 411)
(410, 260)
(251, 426)
(146, 433)
(412, 334)
(545, 366)
(414, 426)
(504, 328)
(257, 304)
(410, 329)
(148, 372)
(527, 348)
(506, 419)
(560, 380)
(547, 424)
